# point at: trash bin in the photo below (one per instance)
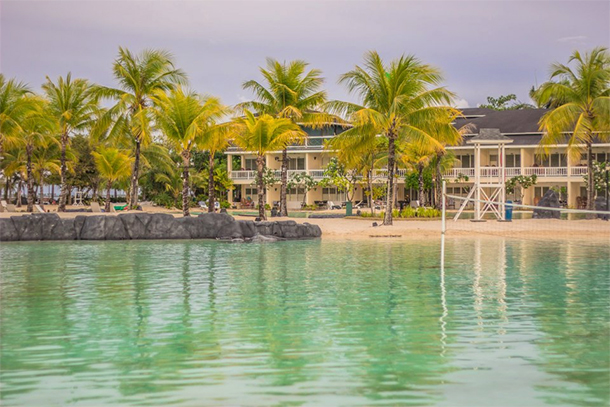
(508, 215)
(348, 209)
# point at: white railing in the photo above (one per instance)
(251, 174)
(242, 175)
(546, 171)
(492, 172)
(456, 172)
(578, 171)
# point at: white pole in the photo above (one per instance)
(477, 181)
(444, 204)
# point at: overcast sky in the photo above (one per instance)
(483, 47)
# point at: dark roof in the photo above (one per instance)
(508, 121)
(489, 135)
(476, 111)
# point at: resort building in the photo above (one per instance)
(522, 158)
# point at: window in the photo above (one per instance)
(331, 194)
(293, 194)
(493, 159)
(601, 157)
(540, 191)
(296, 163)
(251, 191)
(513, 160)
(467, 161)
(250, 164)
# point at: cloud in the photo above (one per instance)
(461, 103)
(577, 39)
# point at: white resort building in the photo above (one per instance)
(522, 158)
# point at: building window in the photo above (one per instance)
(251, 192)
(250, 164)
(513, 160)
(296, 163)
(467, 161)
(332, 194)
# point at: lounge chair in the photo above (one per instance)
(10, 208)
(39, 209)
(331, 205)
(95, 207)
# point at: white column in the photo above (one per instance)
(477, 181)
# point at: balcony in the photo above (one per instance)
(540, 172)
(316, 174)
(311, 143)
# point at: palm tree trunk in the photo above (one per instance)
(19, 189)
(133, 196)
(211, 183)
(107, 205)
(260, 162)
(370, 187)
(28, 152)
(387, 219)
(439, 182)
(41, 184)
(420, 180)
(53, 192)
(284, 183)
(186, 159)
(64, 187)
(590, 178)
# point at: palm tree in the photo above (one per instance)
(46, 161)
(37, 132)
(72, 104)
(185, 118)
(113, 165)
(261, 135)
(397, 104)
(215, 140)
(139, 77)
(14, 106)
(580, 102)
(292, 93)
(418, 158)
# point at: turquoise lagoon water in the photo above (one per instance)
(192, 323)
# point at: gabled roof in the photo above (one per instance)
(489, 136)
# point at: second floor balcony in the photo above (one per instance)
(541, 172)
(250, 175)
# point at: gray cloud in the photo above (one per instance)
(484, 48)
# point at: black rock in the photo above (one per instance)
(8, 231)
(29, 227)
(549, 200)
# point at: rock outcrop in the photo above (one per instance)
(132, 226)
(549, 200)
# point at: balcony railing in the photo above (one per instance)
(316, 174)
(541, 172)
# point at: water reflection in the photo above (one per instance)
(353, 323)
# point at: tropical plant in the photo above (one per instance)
(600, 176)
(293, 93)
(72, 104)
(139, 77)
(338, 174)
(37, 132)
(580, 112)
(261, 135)
(397, 103)
(185, 118)
(215, 140)
(14, 106)
(113, 165)
(522, 181)
(302, 181)
(418, 159)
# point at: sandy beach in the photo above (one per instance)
(362, 228)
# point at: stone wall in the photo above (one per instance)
(50, 226)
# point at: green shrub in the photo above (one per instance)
(225, 204)
(366, 214)
(163, 199)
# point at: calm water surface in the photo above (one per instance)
(505, 322)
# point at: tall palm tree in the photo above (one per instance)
(185, 118)
(289, 91)
(261, 135)
(139, 77)
(113, 165)
(580, 102)
(46, 161)
(37, 132)
(14, 106)
(397, 103)
(215, 140)
(72, 104)
(417, 158)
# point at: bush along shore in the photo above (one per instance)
(132, 226)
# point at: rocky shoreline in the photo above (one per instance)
(137, 226)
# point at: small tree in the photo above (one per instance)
(508, 102)
(523, 181)
(337, 175)
(303, 181)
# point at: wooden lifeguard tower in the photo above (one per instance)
(489, 190)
